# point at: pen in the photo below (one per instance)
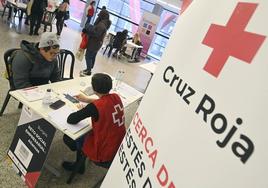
(83, 92)
(29, 88)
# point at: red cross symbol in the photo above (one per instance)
(118, 115)
(232, 40)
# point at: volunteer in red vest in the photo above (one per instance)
(90, 12)
(108, 124)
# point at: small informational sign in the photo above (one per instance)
(147, 28)
(30, 146)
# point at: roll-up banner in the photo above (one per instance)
(30, 146)
(203, 120)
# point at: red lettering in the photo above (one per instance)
(147, 141)
(143, 133)
(162, 176)
(135, 116)
(171, 185)
(153, 156)
(138, 126)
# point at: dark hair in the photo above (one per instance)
(92, 2)
(103, 7)
(125, 32)
(47, 48)
(101, 83)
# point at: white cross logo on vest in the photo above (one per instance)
(116, 119)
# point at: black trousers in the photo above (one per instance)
(76, 145)
(35, 22)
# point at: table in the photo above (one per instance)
(134, 48)
(76, 84)
(150, 67)
(19, 6)
(35, 131)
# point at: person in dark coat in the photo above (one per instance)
(37, 11)
(96, 34)
(35, 63)
(120, 40)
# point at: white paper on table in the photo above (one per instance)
(32, 93)
(89, 91)
(59, 117)
(126, 91)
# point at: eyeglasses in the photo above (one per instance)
(55, 46)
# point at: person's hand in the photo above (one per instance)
(80, 106)
(82, 97)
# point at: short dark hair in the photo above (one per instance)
(93, 2)
(101, 83)
(103, 7)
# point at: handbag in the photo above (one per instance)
(67, 15)
(84, 41)
(80, 54)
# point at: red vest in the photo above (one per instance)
(102, 143)
(90, 11)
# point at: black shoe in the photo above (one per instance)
(31, 33)
(85, 73)
(35, 33)
(69, 166)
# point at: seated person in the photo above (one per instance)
(36, 63)
(136, 40)
(108, 125)
(119, 41)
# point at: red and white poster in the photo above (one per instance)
(147, 28)
(203, 120)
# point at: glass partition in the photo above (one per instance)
(126, 14)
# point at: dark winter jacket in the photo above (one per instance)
(39, 6)
(97, 32)
(30, 68)
(119, 40)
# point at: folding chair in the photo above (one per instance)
(109, 45)
(6, 5)
(48, 19)
(64, 57)
(9, 77)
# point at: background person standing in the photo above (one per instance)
(90, 12)
(96, 34)
(62, 15)
(36, 14)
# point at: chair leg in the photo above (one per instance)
(110, 51)
(4, 11)
(105, 49)
(77, 167)
(20, 105)
(5, 104)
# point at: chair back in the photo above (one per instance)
(8, 63)
(64, 57)
(48, 18)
